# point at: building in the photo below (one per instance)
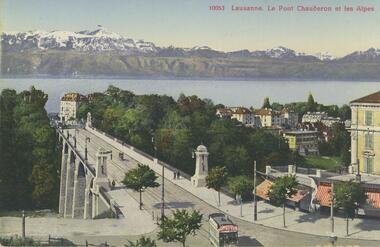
(304, 142)
(268, 118)
(365, 134)
(224, 113)
(244, 116)
(70, 103)
(329, 121)
(313, 117)
(289, 119)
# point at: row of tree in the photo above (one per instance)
(29, 156)
(177, 127)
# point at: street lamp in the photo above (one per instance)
(23, 224)
(333, 236)
(254, 192)
(358, 176)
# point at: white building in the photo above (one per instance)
(268, 118)
(313, 117)
(243, 115)
(70, 103)
(289, 118)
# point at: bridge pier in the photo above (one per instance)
(69, 185)
(79, 190)
(62, 191)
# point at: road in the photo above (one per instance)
(176, 197)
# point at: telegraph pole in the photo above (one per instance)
(254, 192)
(23, 224)
(358, 176)
(333, 237)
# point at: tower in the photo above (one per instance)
(201, 167)
(101, 179)
(89, 120)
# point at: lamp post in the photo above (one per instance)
(333, 237)
(23, 224)
(358, 176)
(254, 192)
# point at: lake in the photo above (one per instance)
(231, 93)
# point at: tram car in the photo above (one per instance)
(222, 231)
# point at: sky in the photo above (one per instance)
(190, 23)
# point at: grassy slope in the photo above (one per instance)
(323, 162)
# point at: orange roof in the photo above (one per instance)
(73, 97)
(299, 195)
(373, 198)
(263, 189)
(372, 98)
(261, 112)
(242, 110)
(323, 196)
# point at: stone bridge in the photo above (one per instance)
(84, 184)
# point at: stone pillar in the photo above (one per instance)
(69, 185)
(79, 191)
(201, 167)
(100, 180)
(62, 191)
(268, 170)
(88, 204)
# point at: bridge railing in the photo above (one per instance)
(84, 162)
(135, 153)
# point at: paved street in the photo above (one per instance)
(180, 194)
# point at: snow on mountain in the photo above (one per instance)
(369, 54)
(324, 56)
(281, 52)
(96, 41)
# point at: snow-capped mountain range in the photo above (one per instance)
(101, 40)
(93, 41)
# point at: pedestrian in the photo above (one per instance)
(178, 175)
(174, 175)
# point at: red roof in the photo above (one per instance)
(371, 98)
(242, 110)
(373, 198)
(323, 196)
(263, 189)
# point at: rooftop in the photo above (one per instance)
(371, 98)
(73, 97)
(300, 132)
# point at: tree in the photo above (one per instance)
(179, 226)
(349, 196)
(311, 104)
(140, 178)
(281, 190)
(266, 103)
(216, 178)
(241, 185)
(142, 242)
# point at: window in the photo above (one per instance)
(369, 141)
(368, 118)
(369, 165)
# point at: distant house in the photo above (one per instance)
(268, 117)
(304, 142)
(243, 115)
(289, 119)
(224, 113)
(313, 117)
(329, 121)
(70, 103)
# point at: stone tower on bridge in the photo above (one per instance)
(201, 167)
